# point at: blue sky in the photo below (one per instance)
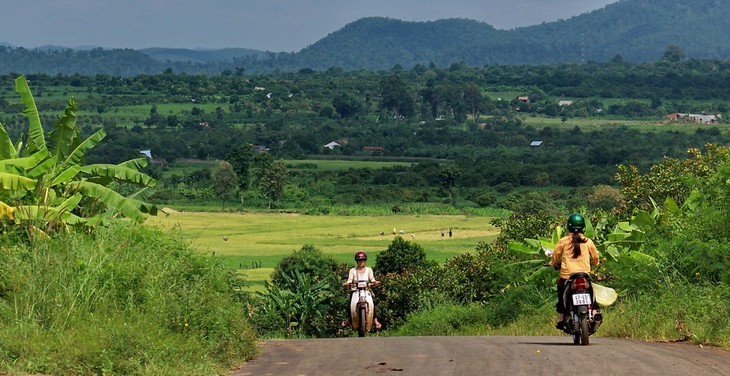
(270, 25)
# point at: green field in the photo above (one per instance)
(255, 242)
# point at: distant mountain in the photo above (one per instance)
(201, 56)
(634, 30)
(638, 30)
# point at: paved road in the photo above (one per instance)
(510, 356)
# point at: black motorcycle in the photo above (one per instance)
(582, 317)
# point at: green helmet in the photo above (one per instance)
(576, 221)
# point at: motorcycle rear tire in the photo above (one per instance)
(363, 318)
(584, 332)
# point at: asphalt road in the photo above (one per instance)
(510, 356)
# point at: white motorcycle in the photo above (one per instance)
(362, 308)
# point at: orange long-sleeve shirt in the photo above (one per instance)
(563, 253)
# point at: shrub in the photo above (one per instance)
(401, 255)
(305, 296)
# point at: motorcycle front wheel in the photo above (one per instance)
(363, 318)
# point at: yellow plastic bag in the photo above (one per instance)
(605, 296)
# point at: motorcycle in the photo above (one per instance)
(582, 317)
(362, 308)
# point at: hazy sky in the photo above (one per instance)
(271, 25)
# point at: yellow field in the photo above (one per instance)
(255, 242)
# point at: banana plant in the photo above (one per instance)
(45, 186)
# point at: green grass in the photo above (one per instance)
(255, 242)
(125, 301)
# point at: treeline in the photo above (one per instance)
(635, 30)
(455, 114)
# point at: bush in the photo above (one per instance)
(127, 300)
(308, 260)
(401, 255)
(305, 296)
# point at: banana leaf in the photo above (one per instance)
(12, 182)
(6, 211)
(7, 150)
(110, 198)
(66, 175)
(48, 214)
(37, 137)
(26, 163)
(136, 164)
(65, 132)
(119, 173)
(78, 153)
(42, 168)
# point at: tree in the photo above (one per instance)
(448, 177)
(396, 97)
(241, 158)
(346, 105)
(474, 100)
(400, 256)
(270, 176)
(224, 180)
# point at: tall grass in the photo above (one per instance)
(684, 313)
(125, 301)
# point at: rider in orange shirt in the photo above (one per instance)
(574, 253)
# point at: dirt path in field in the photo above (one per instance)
(512, 356)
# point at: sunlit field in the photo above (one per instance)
(255, 242)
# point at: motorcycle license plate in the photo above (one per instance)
(581, 299)
(363, 293)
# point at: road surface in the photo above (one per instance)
(509, 356)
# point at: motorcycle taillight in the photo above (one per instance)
(580, 284)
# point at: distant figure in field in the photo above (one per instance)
(394, 231)
(450, 233)
(442, 233)
(225, 239)
(402, 232)
(382, 233)
(413, 236)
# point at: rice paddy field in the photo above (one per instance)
(253, 243)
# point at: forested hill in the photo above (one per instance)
(638, 30)
(635, 30)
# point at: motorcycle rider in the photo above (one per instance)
(574, 253)
(361, 273)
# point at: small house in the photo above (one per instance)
(535, 144)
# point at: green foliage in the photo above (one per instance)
(224, 180)
(241, 158)
(475, 277)
(126, 301)
(309, 261)
(520, 226)
(400, 256)
(45, 188)
(673, 178)
(304, 297)
(302, 303)
(401, 294)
